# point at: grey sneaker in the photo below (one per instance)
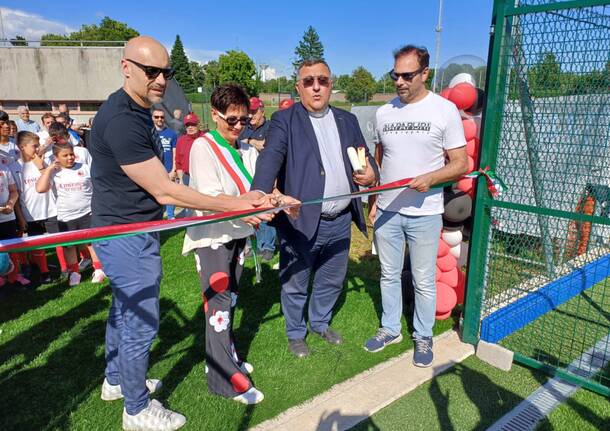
(154, 417)
(423, 356)
(113, 392)
(330, 335)
(298, 347)
(381, 339)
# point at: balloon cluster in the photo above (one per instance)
(452, 251)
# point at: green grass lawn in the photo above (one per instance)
(52, 348)
(473, 395)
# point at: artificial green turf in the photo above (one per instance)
(52, 350)
(472, 395)
(584, 411)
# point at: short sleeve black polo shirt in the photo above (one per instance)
(122, 134)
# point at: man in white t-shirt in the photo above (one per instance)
(416, 130)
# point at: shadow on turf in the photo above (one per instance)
(44, 395)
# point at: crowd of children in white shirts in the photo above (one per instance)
(45, 187)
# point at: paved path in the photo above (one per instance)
(349, 403)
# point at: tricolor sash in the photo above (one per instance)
(230, 160)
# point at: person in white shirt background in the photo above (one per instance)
(71, 182)
(36, 212)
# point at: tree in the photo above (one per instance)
(19, 41)
(198, 73)
(237, 67)
(108, 30)
(180, 63)
(212, 74)
(385, 84)
(341, 82)
(309, 48)
(361, 86)
(545, 77)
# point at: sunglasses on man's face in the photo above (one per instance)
(232, 120)
(158, 117)
(152, 72)
(407, 76)
(308, 81)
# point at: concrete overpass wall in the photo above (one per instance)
(59, 73)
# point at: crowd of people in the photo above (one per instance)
(142, 168)
(45, 188)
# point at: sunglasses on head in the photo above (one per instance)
(152, 72)
(309, 81)
(407, 76)
(232, 120)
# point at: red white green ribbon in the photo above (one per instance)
(85, 236)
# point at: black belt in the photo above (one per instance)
(330, 217)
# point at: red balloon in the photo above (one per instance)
(472, 147)
(439, 273)
(444, 316)
(465, 184)
(470, 129)
(450, 278)
(446, 92)
(464, 95)
(443, 248)
(446, 298)
(460, 289)
(447, 262)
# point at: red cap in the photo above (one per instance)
(256, 103)
(286, 103)
(191, 119)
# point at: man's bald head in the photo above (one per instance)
(146, 50)
(142, 65)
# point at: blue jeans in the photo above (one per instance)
(422, 234)
(133, 266)
(265, 237)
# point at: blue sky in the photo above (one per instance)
(354, 33)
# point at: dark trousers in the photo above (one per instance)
(220, 273)
(326, 256)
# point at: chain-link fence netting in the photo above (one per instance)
(545, 262)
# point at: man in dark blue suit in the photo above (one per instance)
(305, 157)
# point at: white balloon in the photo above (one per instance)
(452, 237)
(462, 77)
(455, 250)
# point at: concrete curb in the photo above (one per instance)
(349, 403)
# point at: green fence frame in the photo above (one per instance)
(505, 55)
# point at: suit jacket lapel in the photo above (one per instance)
(309, 133)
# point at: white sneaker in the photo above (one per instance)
(98, 276)
(113, 392)
(154, 417)
(251, 396)
(74, 279)
(246, 368)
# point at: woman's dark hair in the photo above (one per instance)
(226, 95)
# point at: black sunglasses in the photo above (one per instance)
(152, 72)
(308, 81)
(232, 121)
(407, 76)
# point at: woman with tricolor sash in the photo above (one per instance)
(216, 168)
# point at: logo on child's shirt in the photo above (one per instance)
(80, 173)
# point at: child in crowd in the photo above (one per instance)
(8, 149)
(37, 213)
(8, 225)
(72, 185)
